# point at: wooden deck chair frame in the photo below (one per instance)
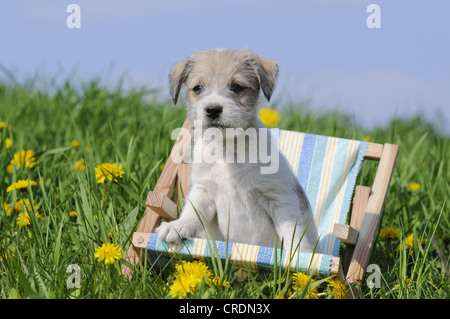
(358, 236)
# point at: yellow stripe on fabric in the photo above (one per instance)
(195, 250)
(245, 250)
(285, 137)
(285, 140)
(351, 153)
(297, 147)
(315, 264)
(233, 258)
(286, 262)
(322, 182)
(173, 248)
(282, 142)
(243, 255)
(326, 175)
(238, 256)
(199, 247)
(338, 200)
(253, 256)
(291, 146)
(290, 260)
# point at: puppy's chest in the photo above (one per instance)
(217, 177)
(227, 185)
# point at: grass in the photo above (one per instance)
(133, 128)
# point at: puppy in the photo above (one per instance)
(233, 199)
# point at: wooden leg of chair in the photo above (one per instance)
(150, 221)
(183, 177)
(360, 200)
(372, 217)
(133, 258)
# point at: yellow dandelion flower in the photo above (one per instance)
(21, 185)
(8, 143)
(108, 171)
(161, 166)
(79, 165)
(283, 295)
(338, 288)
(269, 117)
(196, 267)
(23, 158)
(184, 285)
(22, 205)
(369, 139)
(389, 232)
(3, 125)
(219, 281)
(300, 281)
(73, 214)
(279, 296)
(7, 208)
(75, 145)
(39, 216)
(109, 253)
(23, 219)
(408, 242)
(23, 208)
(413, 186)
(188, 276)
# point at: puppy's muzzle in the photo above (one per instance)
(213, 112)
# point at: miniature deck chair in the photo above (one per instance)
(327, 168)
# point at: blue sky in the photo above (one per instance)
(325, 50)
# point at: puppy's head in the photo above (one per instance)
(223, 86)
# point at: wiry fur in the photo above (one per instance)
(237, 201)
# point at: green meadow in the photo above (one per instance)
(51, 227)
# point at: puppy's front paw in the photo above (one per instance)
(176, 230)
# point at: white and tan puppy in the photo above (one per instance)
(241, 196)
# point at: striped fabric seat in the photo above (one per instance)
(251, 257)
(327, 168)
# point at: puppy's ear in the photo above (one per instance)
(268, 73)
(176, 78)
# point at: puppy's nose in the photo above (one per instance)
(213, 111)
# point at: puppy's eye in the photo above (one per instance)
(236, 88)
(198, 89)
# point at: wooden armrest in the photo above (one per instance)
(374, 151)
(162, 205)
(140, 240)
(345, 233)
